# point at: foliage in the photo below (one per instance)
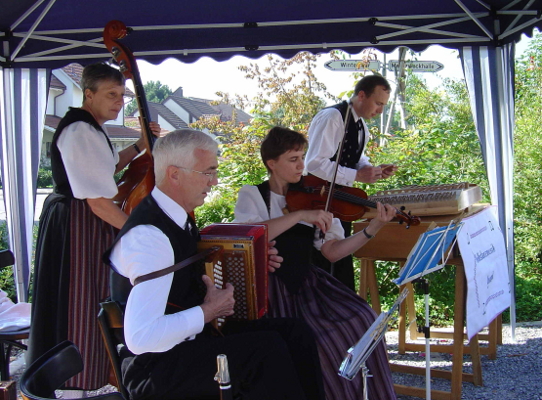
(440, 145)
(218, 209)
(155, 92)
(288, 99)
(45, 177)
(7, 283)
(527, 174)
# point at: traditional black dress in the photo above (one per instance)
(337, 316)
(70, 278)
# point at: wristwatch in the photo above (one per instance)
(367, 234)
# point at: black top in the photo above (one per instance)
(352, 149)
(295, 246)
(188, 287)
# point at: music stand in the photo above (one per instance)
(432, 246)
(358, 354)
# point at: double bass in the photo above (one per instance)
(138, 179)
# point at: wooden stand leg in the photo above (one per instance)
(363, 285)
(373, 287)
(459, 317)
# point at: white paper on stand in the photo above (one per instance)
(483, 251)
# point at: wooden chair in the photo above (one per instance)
(50, 371)
(111, 322)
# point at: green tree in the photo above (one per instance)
(527, 161)
(291, 94)
(155, 92)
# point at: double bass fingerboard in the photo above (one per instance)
(444, 199)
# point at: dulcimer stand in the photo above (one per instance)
(358, 354)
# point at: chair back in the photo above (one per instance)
(6, 258)
(111, 322)
(50, 371)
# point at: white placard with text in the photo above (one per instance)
(483, 251)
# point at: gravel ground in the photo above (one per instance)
(516, 373)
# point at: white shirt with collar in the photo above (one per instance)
(325, 134)
(142, 250)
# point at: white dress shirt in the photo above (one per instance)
(142, 250)
(325, 134)
(89, 162)
(251, 208)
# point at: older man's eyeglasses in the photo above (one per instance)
(211, 175)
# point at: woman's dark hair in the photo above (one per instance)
(94, 74)
(278, 141)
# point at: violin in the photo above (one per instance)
(138, 180)
(348, 203)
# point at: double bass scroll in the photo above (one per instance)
(138, 180)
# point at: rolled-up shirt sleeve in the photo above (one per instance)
(89, 162)
(325, 134)
(147, 328)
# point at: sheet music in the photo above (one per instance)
(431, 247)
(359, 353)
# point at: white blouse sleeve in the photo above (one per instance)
(336, 231)
(88, 160)
(250, 206)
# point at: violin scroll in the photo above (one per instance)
(409, 219)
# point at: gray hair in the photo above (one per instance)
(94, 74)
(177, 148)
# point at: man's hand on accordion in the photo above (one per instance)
(217, 302)
(274, 259)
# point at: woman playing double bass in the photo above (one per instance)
(337, 316)
(78, 224)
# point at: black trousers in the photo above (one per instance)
(343, 269)
(268, 359)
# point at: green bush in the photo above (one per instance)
(45, 178)
(218, 209)
(7, 283)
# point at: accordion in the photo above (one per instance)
(242, 261)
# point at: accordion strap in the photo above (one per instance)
(180, 265)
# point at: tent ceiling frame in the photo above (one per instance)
(59, 36)
(240, 50)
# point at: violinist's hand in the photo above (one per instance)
(388, 170)
(217, 302)
(322, 219)
(384, 214)
(369, 174)
(274, 259)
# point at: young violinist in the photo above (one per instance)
(298, 289)
(77, 225)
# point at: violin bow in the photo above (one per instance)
(338, 159)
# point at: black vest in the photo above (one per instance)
(187, 288)
(294, 245)
(352, 149)
(60, 178)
